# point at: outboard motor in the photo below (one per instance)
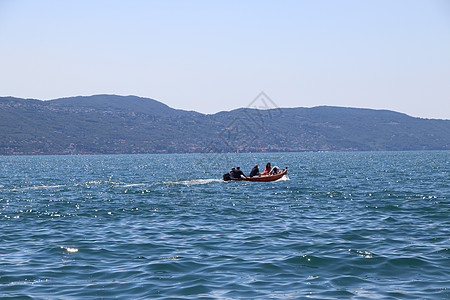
(226, 177)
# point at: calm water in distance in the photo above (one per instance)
(358, 225)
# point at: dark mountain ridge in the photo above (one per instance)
(103, 124)
(124, 104)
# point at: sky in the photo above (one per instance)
(211, 56)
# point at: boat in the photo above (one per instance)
(261, 178)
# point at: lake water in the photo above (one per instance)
(343, 225)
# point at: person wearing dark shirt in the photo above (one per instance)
(232, 171)
(254, 171)
(237, 173)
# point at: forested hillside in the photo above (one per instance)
(104, 124)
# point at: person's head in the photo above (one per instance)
(238, 167)
(256, 166)
(268, 165)
(232, 168)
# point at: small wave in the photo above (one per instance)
(95, 182)
(194, 182)
(170, 258)
(99, 182)
(362, 253)
(133, 184)
(38, 187)
(70, 249)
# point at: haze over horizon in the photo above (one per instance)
(218, 56)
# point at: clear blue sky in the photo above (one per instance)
(210, 56)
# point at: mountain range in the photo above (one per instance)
(111, 124)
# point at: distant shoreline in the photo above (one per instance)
(196, 153)
(111, 124)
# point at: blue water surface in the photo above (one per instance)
(358, 225)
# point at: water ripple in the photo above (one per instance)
(346, 225)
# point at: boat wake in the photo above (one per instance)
(194, 182)
(132, 185)
(284, 178)
(37, 187)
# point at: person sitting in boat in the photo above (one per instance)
(254, 171)
(275, 170)
(267, 170)
(237, 173)
(232, 171)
